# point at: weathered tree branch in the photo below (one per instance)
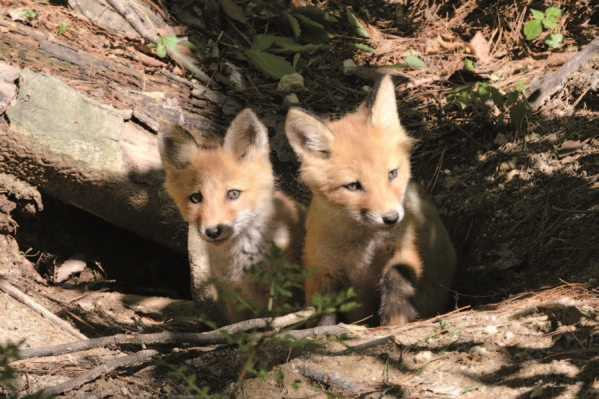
(557, 79)
(138, 25)
(349, 388)
(200, 339)
(27, 300)
(96, 372)
(167, 337)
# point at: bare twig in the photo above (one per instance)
(27, 300)
(363, 346)
(167, 337)
(581, 211)
(147, 34)
(200, 339)
(274, 324)
(557, 79)
(332, 379)
(349, 388)
(100, 370)
(293, 318)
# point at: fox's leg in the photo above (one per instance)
(322, 283)
(252, 294)
(398, 286)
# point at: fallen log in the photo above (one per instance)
(89, 155)
(555, 81)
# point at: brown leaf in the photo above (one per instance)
(569, 147)
(480, 47)
(444, 43)
(233, 11)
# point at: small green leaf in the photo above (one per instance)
(312, 32)
(538, 15)
(512, 97)
(553, 12)
(554, 40)
(468, 64)
(169, 40)
(521, 87)
(464, 100)
(241, 56)
(518, 112)
(161, 50)
(296, 59)
(533, 29)
(355, 23)
(483, 92)
(263, 42)
(270, 65)
(497, 96)
(550, 23)
(414, 62)
(316, 14)
(288, 45)
(28, 14)
(198, 11)
(63, 27)
(362, 46)
(294, 25)
(189, 45)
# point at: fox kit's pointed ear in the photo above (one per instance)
(177, 146)
(383, 108)
(246, 136)
(307, 134)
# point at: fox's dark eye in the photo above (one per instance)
(354, 186)
(392, 174)
(233, 194)
(196, 198)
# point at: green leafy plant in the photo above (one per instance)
(282, 278)
(63, 27)
(410, 62)
(469, 64)
(28, 14)
(166, 41)
(311, 28)
(548, 20)
(169, 41)
(478, 94)
(190, 381)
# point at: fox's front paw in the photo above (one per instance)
(396, 290)
(397, 313)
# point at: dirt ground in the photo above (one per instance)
(521, 205)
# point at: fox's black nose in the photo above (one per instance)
(214, 231)
(391, 218)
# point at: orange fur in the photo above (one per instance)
(368, 226)
(227, 195)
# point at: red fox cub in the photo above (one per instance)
(368, 226)
(226, 192)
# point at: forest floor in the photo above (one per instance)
(520, 200)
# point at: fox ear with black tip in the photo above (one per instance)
(308, 135)
(247, 136)
(177, 146)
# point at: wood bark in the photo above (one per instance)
(81, 127)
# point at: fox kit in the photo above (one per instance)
(227, 195)
(368, 226)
